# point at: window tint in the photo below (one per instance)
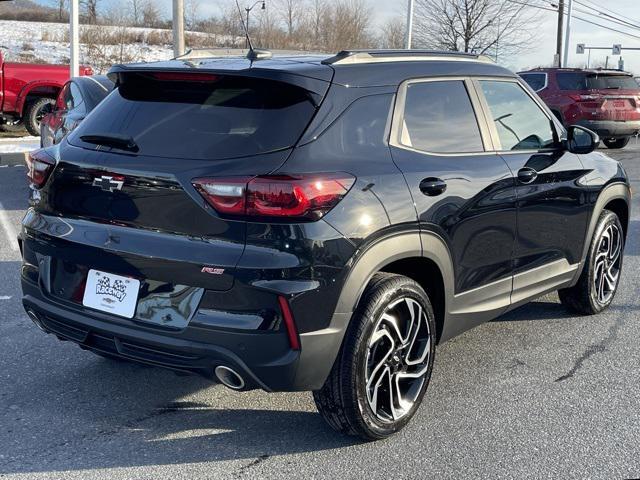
(572, 81)
(439, 118)
(223, 117)
(583, 81)
(537, 81)
(520, 122)
(76, 97)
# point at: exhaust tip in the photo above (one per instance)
(229, 377)
(36, 319)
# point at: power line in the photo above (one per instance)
(612, 18)
(577, 18)
(618, 15)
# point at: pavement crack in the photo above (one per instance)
(252, 464)
(592, 350)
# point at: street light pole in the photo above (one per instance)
(74, 38)
(248, 10)
(567, 35)
(178, 28)
(409, 35)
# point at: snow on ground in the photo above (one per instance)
(48, 43)
(18, 145)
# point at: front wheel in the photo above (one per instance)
(384, 366)
(600, 276)
(617, 143)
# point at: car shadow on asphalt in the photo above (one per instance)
(132, 415)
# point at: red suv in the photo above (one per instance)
(605, 101)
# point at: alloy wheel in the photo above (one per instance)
(397, 359)
(607, 264)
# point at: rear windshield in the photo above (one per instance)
(223, 117)
(583, 81)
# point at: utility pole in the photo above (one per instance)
(178, 28)
(559, 33)
(409, 35)
(74, 37)
(567, 35)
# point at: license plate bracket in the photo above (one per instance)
(111, 293)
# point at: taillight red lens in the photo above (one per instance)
(39, 167)
(276, 196)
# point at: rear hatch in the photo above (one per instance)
(613, 96)
(122, 187)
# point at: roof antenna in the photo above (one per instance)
(253, 54)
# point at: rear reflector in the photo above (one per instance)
(292, 331)
(307, 197)
(39, 167)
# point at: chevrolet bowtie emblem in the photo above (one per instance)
(108, 184)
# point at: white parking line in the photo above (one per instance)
(9, 231)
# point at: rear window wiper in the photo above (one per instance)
(123, 142)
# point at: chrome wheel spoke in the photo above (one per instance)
(397, 359)
(606, 266)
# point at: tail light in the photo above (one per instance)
(184, 77)
(307, 197)
(39, 167)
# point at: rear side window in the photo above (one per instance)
(583, 81)
(439, 118)
(520, 122)
(537, 81)
(223, 117)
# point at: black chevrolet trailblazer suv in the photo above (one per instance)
(316, 223)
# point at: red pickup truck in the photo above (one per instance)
(28, 91)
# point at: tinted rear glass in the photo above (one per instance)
(223, 118)
(583, 81)
(537, 81)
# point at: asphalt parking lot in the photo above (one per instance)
(538, 393)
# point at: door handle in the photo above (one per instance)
(527, 175)
(433, 186)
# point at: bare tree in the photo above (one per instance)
(90, 8)
(151, 15)
(192, 13)
(477, 26)
(61, 7)
(393, 34)
(290, 11)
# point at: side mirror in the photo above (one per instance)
(581, 140)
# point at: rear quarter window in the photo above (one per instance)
(537, 81)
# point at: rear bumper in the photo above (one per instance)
(240, 327)
(610, 128)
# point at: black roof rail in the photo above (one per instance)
(351, 57)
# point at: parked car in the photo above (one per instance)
(605, 101)
(314, 223)
(78, 97)
(28, 92)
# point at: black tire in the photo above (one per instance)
(344, 400)
(34, 112)
(585, 297)
(617, 143)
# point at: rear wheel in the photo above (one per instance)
(617, 143)
(384, 366)
(600, 277)
(35, 112)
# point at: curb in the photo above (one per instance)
(13, 159)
